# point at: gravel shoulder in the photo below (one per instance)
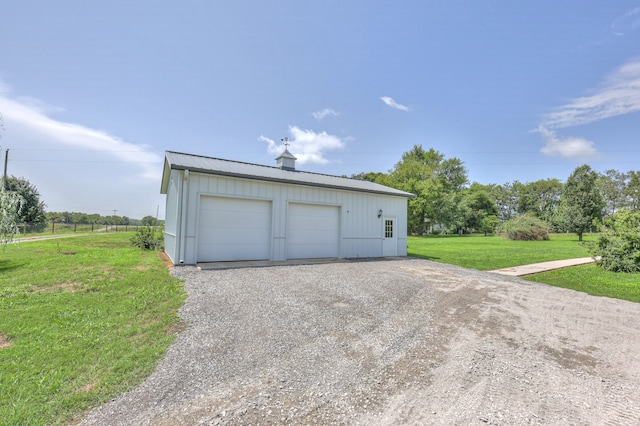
(389, 342)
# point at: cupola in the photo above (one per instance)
(286, 160)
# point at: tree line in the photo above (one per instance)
(20, 204)
(446, 202)
(88, 218)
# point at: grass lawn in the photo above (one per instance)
(82, 320)
(593, 280)
(495, 252)
(488, 253)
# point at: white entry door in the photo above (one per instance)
(389, 237)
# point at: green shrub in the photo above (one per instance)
(145, 238)
(526, 228)
(618, 244)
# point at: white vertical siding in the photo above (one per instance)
(172, 216)
(360, 228)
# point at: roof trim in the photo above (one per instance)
(168, 165)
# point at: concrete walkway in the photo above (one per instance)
(534, 268)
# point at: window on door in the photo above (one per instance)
(388, 228)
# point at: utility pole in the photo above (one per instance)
(114, 219)
(6, 159)
(6, 155)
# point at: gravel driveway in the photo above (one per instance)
(389, 342)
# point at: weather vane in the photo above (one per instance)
(286, 142)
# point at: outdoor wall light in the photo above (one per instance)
(379, 213)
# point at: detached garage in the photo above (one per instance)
(222, 210)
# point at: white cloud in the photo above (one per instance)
(306, 145)
(571, 148)
(76, 167)
(618, 95)
(319, 115)
(393, 104)
(4, 88)
(272, 147)
(30, 122)
(628, 22)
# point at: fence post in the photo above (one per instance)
(53, 225)
(75, 227)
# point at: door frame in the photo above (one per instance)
(389, 243)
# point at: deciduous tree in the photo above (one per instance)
(581, 202)
(506, 197)
(478, 205)
(433, 179)
(540, 198)
(489, 224)
(32, 212)
(11, 204)
(613, 184)
(148, 220)
(632, 191)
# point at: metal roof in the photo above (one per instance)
(221, 167)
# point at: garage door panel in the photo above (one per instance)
(314, 236)
(240, 218)
(206, 234)
(312, 231)
(234, 229)
(233, 235)
(234, 252)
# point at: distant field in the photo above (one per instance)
(495, 252)
(64, 228)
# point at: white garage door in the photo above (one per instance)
(233, 229)
(312, 231)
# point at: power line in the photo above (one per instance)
(342, 153)
(83, 161)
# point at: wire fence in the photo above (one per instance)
(70, 228)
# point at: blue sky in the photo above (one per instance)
(93, 93)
